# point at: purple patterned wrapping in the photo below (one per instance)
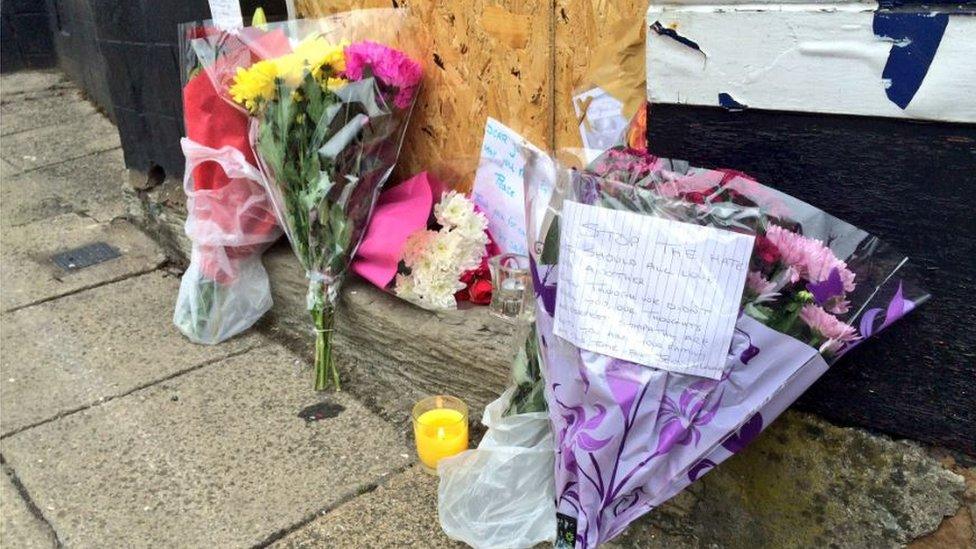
(629, 436)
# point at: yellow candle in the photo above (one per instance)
(440, 432)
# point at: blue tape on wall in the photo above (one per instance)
(916, 39)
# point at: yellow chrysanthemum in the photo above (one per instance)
(291, 68)
(254, 84)
(318, 52)
(257, 83)
(335, 83)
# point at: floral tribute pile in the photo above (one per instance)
(327, 115)
(630, 436)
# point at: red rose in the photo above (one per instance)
(480, 292)
(765, 250)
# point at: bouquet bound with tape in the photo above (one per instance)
(679, 311)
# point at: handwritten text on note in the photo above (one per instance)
(226, 14)
(649, 290)
(498, 186)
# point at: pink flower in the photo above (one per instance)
(392, 67)
(808, 257)
(758, 284)
(835, 331)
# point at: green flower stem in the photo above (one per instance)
(325, 369)
(323, 315)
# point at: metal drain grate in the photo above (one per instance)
(85, 256)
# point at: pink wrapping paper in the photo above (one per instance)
(400, 211)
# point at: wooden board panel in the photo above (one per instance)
(489, 58)
(581, 26)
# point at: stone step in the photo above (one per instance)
(390, 352)
(804, 483)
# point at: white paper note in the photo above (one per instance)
(498, 186)
(226, 14)
(649, 290)
(604, 125)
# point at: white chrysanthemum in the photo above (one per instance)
(437, 259)
(446, 250)
(405, 287)
(416, 246)
(452, 209)
(473, 226)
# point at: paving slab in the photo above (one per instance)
(18, 526)
(28, 273)
(48, 145)
(30, 81)
(91, 185)
(37, 110)
(807, 483)
(76, 351)
(214, 458)
(6, 170)
(402, 512)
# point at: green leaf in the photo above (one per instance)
(550, 247)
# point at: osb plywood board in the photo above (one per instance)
(581, 26)
(489, 58)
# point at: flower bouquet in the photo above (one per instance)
(327, 118)
(230, 219)
(448, 264)
(631, 435)
(432, 255)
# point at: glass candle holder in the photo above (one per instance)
(440, 428)
(511, 292)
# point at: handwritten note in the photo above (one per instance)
(603, 124)
(498, 186)
(649, 290)
(226, 14)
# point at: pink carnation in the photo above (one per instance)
(808, 257)
(758, 284)
(835, 331)
(392, 67)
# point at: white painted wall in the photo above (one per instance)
(811, 57)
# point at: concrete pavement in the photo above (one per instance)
(115, 431)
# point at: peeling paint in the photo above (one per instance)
(916, 38)
(826, 57)
(725, 101)
(673, 34)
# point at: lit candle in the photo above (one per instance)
(440, 427)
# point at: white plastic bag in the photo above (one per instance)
(225, 290)
(501, 495)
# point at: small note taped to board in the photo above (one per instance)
(649, 290)
(603, 124)
(226, 14)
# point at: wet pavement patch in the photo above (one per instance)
(320, 411)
